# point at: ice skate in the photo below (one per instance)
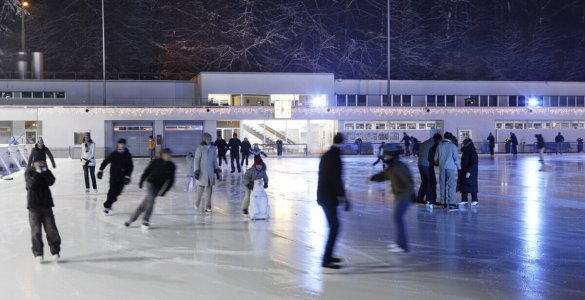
(398, 249)
(127, 223)
(56, 257)
(95, 191)
(39, 259)
(108, 211)
(145, 226)
(474, 203)
(87, 191)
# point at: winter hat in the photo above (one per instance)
(392, 149)
(122, 141)
(338, 138)
(167, 151)
(258, 161)
(467, 141)
(87, 134)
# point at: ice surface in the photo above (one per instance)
(525, 241)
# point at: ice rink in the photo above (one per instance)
(526, 240)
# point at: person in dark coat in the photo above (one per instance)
(234, 145)
(279, 148)
(491, 143)
(120, 173)
(330, 192)
(402, 185)
(426, 168)
(559, 139)
(245, 150)
(540, 145)
(40, 209)
(40, 153)
(468, 173)
(415, 146)
(159, 177)
(380, 155)
(406, 141)
(222, 149)
(514, 142)
(579, 145)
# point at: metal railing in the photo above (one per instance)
(287, 149)
(99, 76)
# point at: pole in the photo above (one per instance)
(388, 81)
(104, 100)
(22, 34)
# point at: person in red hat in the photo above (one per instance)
(256, 172)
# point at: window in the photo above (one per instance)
(360, 126)
(396, 100)
(341, 101)
(361, 100)
(580, 101)
(5, 95)
(380, 126)
(26, 94)
(349, 126)
(440, 100)
(385, 100)
(37, 95)
(59, 94)
(513, 101)
(368, 126)
(571, 101)
(554, 101)
(493, 100)
(483, 101)
(351, 100)
(406, 100)
(374, 100)
(450, 100)
(563, 101)
(48, 95)
(431, 100)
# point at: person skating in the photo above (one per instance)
(514, 142)
(426, 168)
(491, 143)
(121, 167)
(559, 140)
(257, 152)
(406, 141)
(222, 149)
(205, 168)
(402, 185)
(234, 146)
(256, 172)
(40, 210)
(88, 162)
(469, 173)
(190, 176)
(447, 157)
(152, 147)
(415, 145)
(540, 145)
(579, 145)
(160, 177)
(245, 150)
(380, 156)
(13, 141)
(330, 193)
(40, 153)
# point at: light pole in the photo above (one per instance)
(388, 82)
(104, 99)
(24, 4)
(22, 63)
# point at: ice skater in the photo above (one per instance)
(40, 210)
(205, 168)
(406, 141)
(120, 173)
(245, 150)
(447, 157)
(427, 192)
(514, 142)
(234, 145)
(469, 173)
(402, 185)
(330, 193)
(221, 145)
(491, 143)
(190, 176)
(559, 140)
(256, 172)
(540, 145)
(159, 177)
(257, 152)
(152, 147)
(380, 156)
(40, 153)
(88, 162)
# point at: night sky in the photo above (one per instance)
(431, 39)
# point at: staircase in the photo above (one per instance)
(259, 134)
(277, 134)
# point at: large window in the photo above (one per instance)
(539, 124)
(28, 95)
(390, 125)
(341, 101)
(362, 100)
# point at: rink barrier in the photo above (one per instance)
(13, 158)
(368, 148)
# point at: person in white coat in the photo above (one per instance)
(88, 161)
(252, 179)
(205, 168)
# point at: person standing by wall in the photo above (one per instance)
(152, 147)
(330, 193)
(120, 173)
(540, 145)
(40, 210)
(514, 142)
(190, 176)
(257, 171)
(559, 140)
(40, 153)
(160, 177)
(579, 145)
(402, 185)
(406, 141)
(205, 168)
(234, 145)
(491, 143)
(447, 157)
(279, 148)
(469, 173)
(221, 145)
(88, 161)
(245, 150)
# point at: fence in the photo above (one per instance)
(13, 158)
(99, 76)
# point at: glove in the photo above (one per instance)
(126, 179)
(197, 175)
(140, 185)
(100, 174)
(266, 185)
(250, 186)
(467, 175)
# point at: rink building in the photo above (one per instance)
(303, 110)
